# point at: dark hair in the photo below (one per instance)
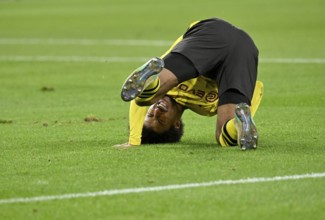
(172, 135)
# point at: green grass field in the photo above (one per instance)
(64, 61)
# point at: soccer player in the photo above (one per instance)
(212, 70)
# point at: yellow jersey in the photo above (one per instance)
(199, 95)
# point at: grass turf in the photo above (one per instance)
(47, 147)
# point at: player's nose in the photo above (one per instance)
(157, 112)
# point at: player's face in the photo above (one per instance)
(162, 115)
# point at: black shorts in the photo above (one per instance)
(218, 50)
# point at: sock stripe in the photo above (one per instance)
(146, 95)
(227, 138)
(227, 142)
(154, 88)
(223, 142)
(149, 92)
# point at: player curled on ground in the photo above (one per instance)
(212, 70)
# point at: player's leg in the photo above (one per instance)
(147, 85)
(226, 133)
(247, 135)
(144, 80)
(155, 78)
(235, 125)
(237, 85)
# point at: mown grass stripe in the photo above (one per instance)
(84, 42)
(46, 58)
(49, 58)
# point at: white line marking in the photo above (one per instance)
(84, 42)
(48, 58)
(292, 60)
(160, 188)
(116, 42)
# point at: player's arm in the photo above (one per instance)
(137, 115)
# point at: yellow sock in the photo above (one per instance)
(228, 136)
(150, 90)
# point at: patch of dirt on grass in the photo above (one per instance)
(92, 118)
(3, 121)
(118, 118)
(47, 89)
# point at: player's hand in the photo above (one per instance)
(124, 146)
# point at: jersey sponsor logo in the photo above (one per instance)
(211, 96)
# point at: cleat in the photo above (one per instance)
(247, 133)
(138, 80)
